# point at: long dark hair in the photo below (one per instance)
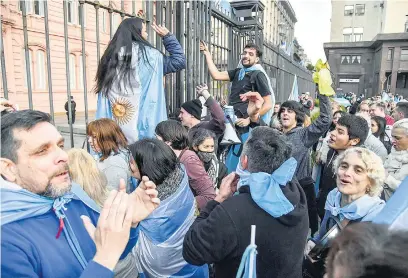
(154, 159)
(381, 133)
(128, 32)
(381, 123)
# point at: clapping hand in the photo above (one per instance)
(145, 200)
(112, 232)
(120, 212)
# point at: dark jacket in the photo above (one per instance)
(221, 233)
(303, 138)
(176, 61)
(216, 124)
(327, 181)
(73, 105)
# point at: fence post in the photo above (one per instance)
(3, 61)
(71, 130)
(27, 56)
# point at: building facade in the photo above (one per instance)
(13, 40)
(355, 21)
(370, 67)
(279, 22)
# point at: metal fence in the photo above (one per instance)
(191, 21)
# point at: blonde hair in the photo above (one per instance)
(374, 166)
(84, 171)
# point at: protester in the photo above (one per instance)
(373, 143)
(400, 111)
(368, 250)
(39, 203)
(73, 109)
(129, 79)
(158, 253)
(291, 116)
(323, 147)
(270, 197)
(397, 161)
(174, 134)
(110, 145)
(203, 144)
(84, 171)
(378, 125)
(359, 177)
(364, 108)
(190, 114)
(250, 76)
(379, 109)
(350, 131)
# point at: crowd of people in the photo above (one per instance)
(159, 197)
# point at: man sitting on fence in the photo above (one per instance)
(249, 76)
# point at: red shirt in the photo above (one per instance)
(389, 120)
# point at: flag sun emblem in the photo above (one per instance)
(122, 110)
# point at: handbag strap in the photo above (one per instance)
(341, 224)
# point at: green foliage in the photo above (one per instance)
(310, 67)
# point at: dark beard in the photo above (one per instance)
(52, 191)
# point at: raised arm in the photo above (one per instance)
(216, 124)
(321, 124)
(176, 61)
(214, 72)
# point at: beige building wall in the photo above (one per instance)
(395, 16)
(386, 16)
(15, 60)
(275, 16)
(370, 21)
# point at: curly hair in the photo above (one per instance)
(374, 166)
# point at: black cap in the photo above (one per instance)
(194, 107)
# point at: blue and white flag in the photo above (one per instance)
(138, 105)
(158, 252)
(294, 95)
(247, 267)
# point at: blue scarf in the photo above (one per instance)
(364, 208)
(267, 116)
(266, 188)
(18, 204)
(142, 99)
